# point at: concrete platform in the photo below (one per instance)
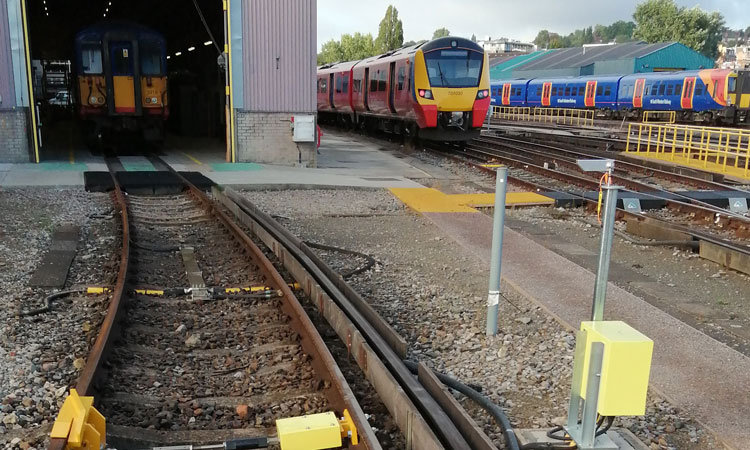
(344, 161)
(696, 373)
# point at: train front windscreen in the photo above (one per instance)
(454, 68)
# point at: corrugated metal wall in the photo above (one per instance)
(279, 50)
(7, 90)
(675, 56)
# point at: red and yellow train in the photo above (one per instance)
(436, 90)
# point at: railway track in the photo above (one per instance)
(205, 342)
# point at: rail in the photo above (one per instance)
(659, 116)
(565, 116)
(721, 150)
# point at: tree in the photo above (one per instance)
(441, 32)
(390, 32)
(473, 37)
(357, 46)
(542, 39)
(330, 52)
(663, 20)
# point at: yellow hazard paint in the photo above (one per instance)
(430, 200)
(511, 199)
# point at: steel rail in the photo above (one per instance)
(339, 393)
(437, 418)
(696, 234)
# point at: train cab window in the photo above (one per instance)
(401, 77)
(669, 90)
(91, 59)
(150, 54)
(567, 91)
(608, 91)
(662, 89)
(732, 85)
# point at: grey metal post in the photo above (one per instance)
(605, 251)
(498, 223)
(593, 379)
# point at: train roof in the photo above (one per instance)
(97, 31)
(672, 75)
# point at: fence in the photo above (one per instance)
(659, 116)
(566, 116)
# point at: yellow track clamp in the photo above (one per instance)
(348, 429)
(79, 423)
(316, 431)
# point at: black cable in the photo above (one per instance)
(346, 275)
(205, 24)
(511, 440)
(48, 302)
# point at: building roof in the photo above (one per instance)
(583, 56)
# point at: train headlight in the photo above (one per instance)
(154, 100)
(483, 93)
(425, 93)
(93, 100)
(148, 100)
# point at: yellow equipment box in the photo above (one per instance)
(312, 432)
(625, 367)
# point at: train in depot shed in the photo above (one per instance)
(705, 96)
(436, 90)
(121, 71)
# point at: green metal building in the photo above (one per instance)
(616, 59)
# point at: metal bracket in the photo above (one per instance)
(632, 205)
(738, 204)
(198, 289)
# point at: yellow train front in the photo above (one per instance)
(121, 82)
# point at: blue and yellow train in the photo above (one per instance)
(708, 96)
(121, 71)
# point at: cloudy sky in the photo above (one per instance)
(516, 19)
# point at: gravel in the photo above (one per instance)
(43, 354)
(433, 292)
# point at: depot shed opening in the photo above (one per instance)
(214, 81)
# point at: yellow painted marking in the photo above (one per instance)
(491, 166)
(511, 198)
(429, 200)
(708, 166)
(192, 158)
(71, 156)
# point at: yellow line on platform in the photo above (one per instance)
(72, 156)
(511, 199)
(192, 158)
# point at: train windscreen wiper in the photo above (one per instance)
(442, 77)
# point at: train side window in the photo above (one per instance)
(669, 90)
(401, 77)
(91, 59)
(630, 90)
(554, 91)
(567, 91)
(374, 83)
(608, 91)
(662, 89)
(356, 85)
(339, 84)
(698, 89)
(381, 83)
(538, 92)
(323, 86)
(654, 89)
(346, 83)
(678, 89)
(598, 90)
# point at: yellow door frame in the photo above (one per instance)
(231, 155)
(32, 101)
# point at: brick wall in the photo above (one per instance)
(267, 138)
(14, 142)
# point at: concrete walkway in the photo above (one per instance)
(692, 370)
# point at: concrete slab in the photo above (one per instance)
(18, 178)
(707, 390)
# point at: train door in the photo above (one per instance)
(590, 97)
(638, 93)
(391, 87)
(123, 77)
(688, 88)
(506, 94)
(331, 90)
(366, 87)
(546, 92)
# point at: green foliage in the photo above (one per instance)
(391, 32)
(349, 48)
(441, 32)
(663, 20)
(619, 31)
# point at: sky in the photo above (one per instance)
(515, 19)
